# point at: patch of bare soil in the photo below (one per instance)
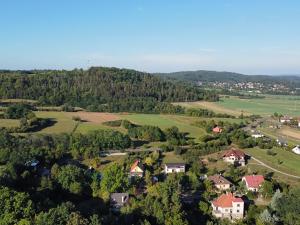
(95, 117)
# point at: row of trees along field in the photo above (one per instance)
(97, 86)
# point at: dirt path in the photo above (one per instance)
(271, 168)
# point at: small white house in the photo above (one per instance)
(296, 150)
(174, 168)
(257, 135)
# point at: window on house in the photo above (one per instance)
(238, 211)
(238, 205)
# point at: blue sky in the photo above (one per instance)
(252, 37)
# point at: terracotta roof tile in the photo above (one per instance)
(254, 181)
(225, 200)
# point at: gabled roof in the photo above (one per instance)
(225, 200)
(254, 181)
(217, 129)
(296, 150)
(137, 163)
(234, 152)
(218, 179)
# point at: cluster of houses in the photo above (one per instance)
(227, 205)
(288, 119)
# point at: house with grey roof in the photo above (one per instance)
(118, 200)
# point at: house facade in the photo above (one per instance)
(220, 182)
(228, 206)
(257, 135)
(285, 119)
(137, 169)
(174, 168)
(235, 157)
(253, 182)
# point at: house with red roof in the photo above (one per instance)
(235, 157)
(253, 182)
(228, 206)
(137, 169)
(217, 130)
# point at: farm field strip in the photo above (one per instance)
(289, 105)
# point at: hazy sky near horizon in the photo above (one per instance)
(252, 37)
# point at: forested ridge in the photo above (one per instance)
(97, 85)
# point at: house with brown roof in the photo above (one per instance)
(137, 169)
(235, 157)
(253, 182)
(228, 206)
(220, 182)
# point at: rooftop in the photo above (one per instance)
(254, 181)
(225, 200)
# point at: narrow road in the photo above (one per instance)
(271, 168)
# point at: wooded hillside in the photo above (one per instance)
(95, 86)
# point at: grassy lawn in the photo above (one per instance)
(101, 162)
(85, 127)
(64, 123)
(170, 157)
(266, 106)
(290, 161)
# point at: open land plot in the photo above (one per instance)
(265, 106)
(292, 135)
(170, 157)
(211, 106)
(100, 163)
(16, 100)
(289, 105)
(63, 122)
(9, 123)
(285, 161)
(290, 132)
(94, 117)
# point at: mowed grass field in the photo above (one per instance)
(9, 123)
(286, 105)
(285, 161)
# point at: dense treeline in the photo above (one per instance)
(96, 86)
(206, 113)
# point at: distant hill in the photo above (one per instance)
(211, 76)
(236, 82)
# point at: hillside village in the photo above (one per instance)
(215, 177)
